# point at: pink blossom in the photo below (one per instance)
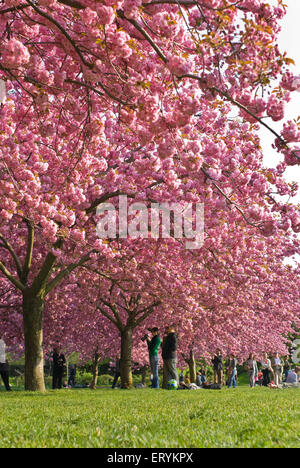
(15, 54)
(106, 14)
(275, 108)
(178, 65)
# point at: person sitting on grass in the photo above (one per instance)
(203, 376)
(199, 379)
(292, 381)
(187, 384)
(293, 377)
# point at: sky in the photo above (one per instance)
(289, 41)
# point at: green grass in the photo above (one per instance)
(151, 418)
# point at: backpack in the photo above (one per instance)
(212, 386)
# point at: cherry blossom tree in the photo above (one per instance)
(136, 98)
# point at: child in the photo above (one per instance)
(259, 380)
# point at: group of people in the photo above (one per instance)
(169, 346)
(273, 372)
(269, 371)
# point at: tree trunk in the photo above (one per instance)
(144, 375)
(192, 367)
(126, 360)
(95, 371)
(33, 308)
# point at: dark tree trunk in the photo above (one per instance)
(95, 370)
(33, 308)
(144, 375)
(126, 358)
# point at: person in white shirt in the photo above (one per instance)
(4, 368)
(252, 369)
(277, 365)
(2, 352)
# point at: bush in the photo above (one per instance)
(83, 378)
(105, 379)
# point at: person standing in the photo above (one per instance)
(2, 351)
(59, 361)
(286, 367)
(117, 371)
(4, 368)
(72, 376)
(252, 369)
(165, 377)
(217, 362)
(4, 372)
(226, 371)
(153, 347)
(266, 369)
(232, 371)
(277, 366)
(169, 355)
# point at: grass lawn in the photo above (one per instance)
(151, 418)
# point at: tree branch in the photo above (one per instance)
(242, 107)
(15, 8)
(63, 274)
(41, 279)
(118, 320)
(145, 34)
(147, 311)
(30, 243)
(6, 245)
(72, 3)
(114, 98)
(11, 278)
(109, 317)
(229, 200)
(62, 30)
(104, 198)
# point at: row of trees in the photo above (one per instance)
(160, 101)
